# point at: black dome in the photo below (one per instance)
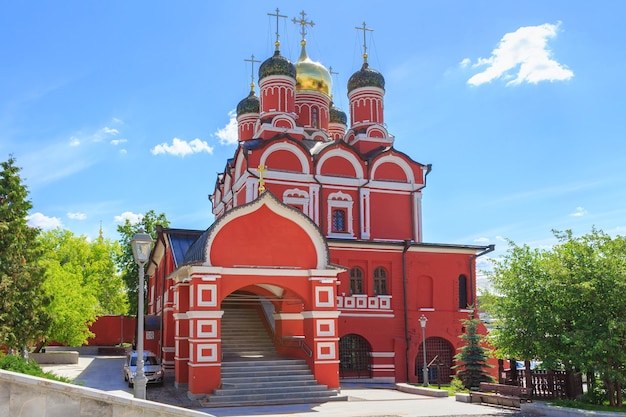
(337, 115)
(250, 104)
(366, 77)
(277, 65)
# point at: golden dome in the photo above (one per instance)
(311, 75)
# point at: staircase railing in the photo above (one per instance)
(296, 342)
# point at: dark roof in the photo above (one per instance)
(179, 241)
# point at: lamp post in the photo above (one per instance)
(423, 321)
(141, 244)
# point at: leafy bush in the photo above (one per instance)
(18, 364)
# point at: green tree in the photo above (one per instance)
(473, 356)
(83, 283)
(565, 306)
(23, 318)
(125, 260)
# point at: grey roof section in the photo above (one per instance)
(180, 240)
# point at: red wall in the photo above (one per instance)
(108, 330)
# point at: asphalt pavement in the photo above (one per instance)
(105, 373)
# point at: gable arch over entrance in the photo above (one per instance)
(274, 253)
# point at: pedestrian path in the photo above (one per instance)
(363, 400)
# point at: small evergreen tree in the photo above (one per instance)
(472, 368)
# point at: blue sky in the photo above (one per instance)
(115, 108)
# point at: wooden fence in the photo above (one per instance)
(546, 384)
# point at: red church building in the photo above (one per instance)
(316, 247)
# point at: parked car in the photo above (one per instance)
(151, 365)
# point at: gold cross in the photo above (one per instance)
(252, 60)
(277, 43)
(303, 22)
(364, 29)
(261, 170)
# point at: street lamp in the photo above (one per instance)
(423, 321)
(142, 245)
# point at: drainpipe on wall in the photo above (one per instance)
(418, 238)
(161, 237)
(473, 258)
(407, 245)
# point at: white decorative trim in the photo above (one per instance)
(368, 315)
(340, 200)
(212, 333)
(211, 290)
(325, 333)
(214, 314)
(201, 357)
(330, 297)
(288, 316)
(321, 314)
(427, 309)
(344, 154)
(295, 150)
(331, 347)
(297, 197)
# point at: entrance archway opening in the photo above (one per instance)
(441, 370)
(355, 357)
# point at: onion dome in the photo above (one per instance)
(250, 104)
(311, 75)
(337, 115)
(277, 65)
(366, 77)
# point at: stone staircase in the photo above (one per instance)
(254, 374)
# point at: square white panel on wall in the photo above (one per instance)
(206, 329)
(207, 295)
(325, 328)
(326, 350)
(324, 297)
(206, 352)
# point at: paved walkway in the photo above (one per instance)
(105, 373)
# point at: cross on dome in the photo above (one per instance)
(303, 23)
(364, 29)
(278, 15)
(252, 61)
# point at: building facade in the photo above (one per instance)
(319, 225)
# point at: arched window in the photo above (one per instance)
(462, 291)
(356, 280)
(339, 220)
(380, 281)
(355, 357)
(314, 117)
(441, 371)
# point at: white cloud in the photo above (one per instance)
(182, 148)
(77, 216)
(133, 218)
(117, 121)
(43, 222)
(465, 62)
(123, 151)
(229, 134)
(116, 142)
(579, 212)
(481, 240)
(524, 56)
(74, 141)
(110, 130)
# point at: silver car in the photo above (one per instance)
(151, 365)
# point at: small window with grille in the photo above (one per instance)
(339, 220)
(380, 281)
(356, 280)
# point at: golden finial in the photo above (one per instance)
(261, 170)
(277, 43)
(364, 29)
(303, 22)
(252, 60)
(100, 234)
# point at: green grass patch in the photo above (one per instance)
(581, 405)
(20, 365)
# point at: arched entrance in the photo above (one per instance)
(444, 351)
(355, 357)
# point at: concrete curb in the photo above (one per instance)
(543, 409)
(430, 392)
